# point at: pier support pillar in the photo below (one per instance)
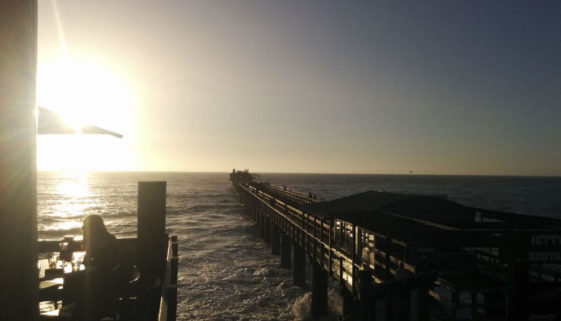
(275, 240)
(262, 224)
(319, 290)
(259, 220)
(285, 248)
(18, 177)
(299, 266)
(267, 230)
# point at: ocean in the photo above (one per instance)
(226, 272)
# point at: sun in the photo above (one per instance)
(84, 92)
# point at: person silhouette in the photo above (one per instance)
(100, 245)
(92, 293)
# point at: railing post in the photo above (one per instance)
(18, 176)
(172, 291)
(388, 253)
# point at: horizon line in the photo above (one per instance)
(300, 173)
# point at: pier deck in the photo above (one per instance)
(459, 262)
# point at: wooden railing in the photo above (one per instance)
(315, 235)
(290, 196)
(168, 299)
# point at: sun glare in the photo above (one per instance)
(84, 92)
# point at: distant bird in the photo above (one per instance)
(49, 122)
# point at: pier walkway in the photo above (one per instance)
(411, 257)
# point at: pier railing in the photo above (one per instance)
(287, 195)
(480, 268)
(308, 231)
(168, 299)
(279, 217)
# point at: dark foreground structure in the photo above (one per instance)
(21, 289)
(411, 257)
(143, 286)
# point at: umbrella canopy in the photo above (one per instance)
(50, 122)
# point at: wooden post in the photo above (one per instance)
(259, 222)
(285, 248)
(172, 291)
(388, 260)
(18, 183)
(298, 266)
(262, 224)
(319, 291)
(267, 229)
(365, 307)
(152, 242)
(152, 222)
(275, 240)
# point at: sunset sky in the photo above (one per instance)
(440, 87)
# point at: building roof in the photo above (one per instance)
(433, 208)
(423, 214)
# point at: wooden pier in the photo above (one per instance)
(457, 262)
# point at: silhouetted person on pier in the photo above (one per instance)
(100, 245)
(95, 289)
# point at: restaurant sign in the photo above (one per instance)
(532, 247)
(545, 248)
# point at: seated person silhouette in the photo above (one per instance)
(92, 293)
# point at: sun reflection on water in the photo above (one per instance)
(75, 185)
(70, 199)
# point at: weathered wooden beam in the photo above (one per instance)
(18, 182)
(285, 249)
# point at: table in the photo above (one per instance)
(51, 280)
